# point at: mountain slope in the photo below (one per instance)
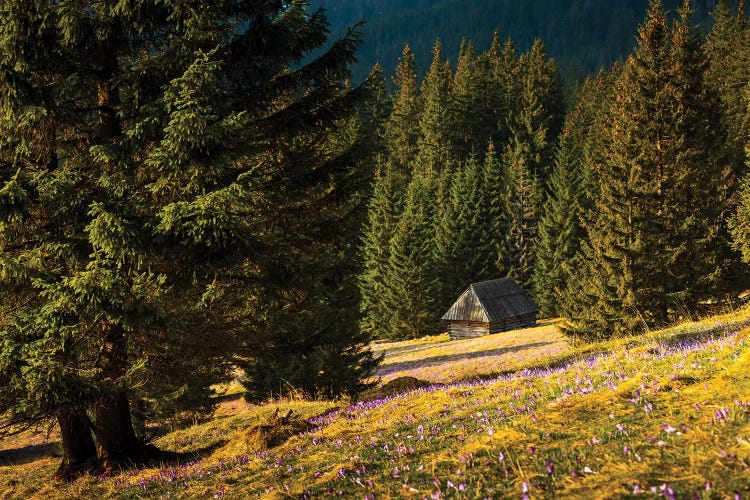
(582, 35)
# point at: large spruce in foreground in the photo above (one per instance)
(174, 199)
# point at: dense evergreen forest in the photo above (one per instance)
(582, 35)
(615, 214)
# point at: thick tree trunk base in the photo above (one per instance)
(70, 471)
(79, 451)
(119, 447)
(136, 456)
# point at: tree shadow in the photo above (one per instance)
(177, 458)
(386, 370)
(28, 454)
(223, 398)
(411, 349)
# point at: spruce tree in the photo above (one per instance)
(524, 198)
(493, 210)
(410, 280)
(727, 48)
(535, 105)
(402, 130)
(382, 216)
(584, 124)
(169, 177)
(538, 114)
(611, 274)
(652, 240)
(474, 123)
(460, 253)
(435, 141)
(739, 223)
(572, 190)
(560, 231)
(506, 70)
(501, 62)
(693, 184)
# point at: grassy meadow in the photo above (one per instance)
(516, 415)
(441, 360)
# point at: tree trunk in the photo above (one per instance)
(79, 451)
(118, 444)
(119, 447)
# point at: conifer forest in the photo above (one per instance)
(189, 191)
(624, 210)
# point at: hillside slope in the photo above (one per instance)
(667, 413)
(441, 360)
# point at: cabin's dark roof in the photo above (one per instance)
(490, 301)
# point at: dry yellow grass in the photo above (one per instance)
(441, 360)
(666, 412)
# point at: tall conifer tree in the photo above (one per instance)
(473, 102)
(411, 288)
(435, 141)
(169, 185)
(693, 184)
(501, 63)
(739, 224)
(538, 115)
(728, 50)
(524, 198)
(383, 213)
(460, 251)
(560, 230)
(584, 126)
(505, 69)
(402, 130)
(494, 213)
(612, 272)
(650, 250)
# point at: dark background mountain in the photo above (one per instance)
(582, 35)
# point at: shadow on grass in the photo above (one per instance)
(386, 370)
(31, 453)
(394, 351)
(559, 361)
(591, 350)
(174, 458)
(28, 454)
(700, 334)
(227, 397)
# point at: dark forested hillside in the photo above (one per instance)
(582, 35)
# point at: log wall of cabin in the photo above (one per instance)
(467, 329)
(505, 325)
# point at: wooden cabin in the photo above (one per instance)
(490, 307)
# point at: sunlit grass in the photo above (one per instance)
(665, 414)
(441, 360)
